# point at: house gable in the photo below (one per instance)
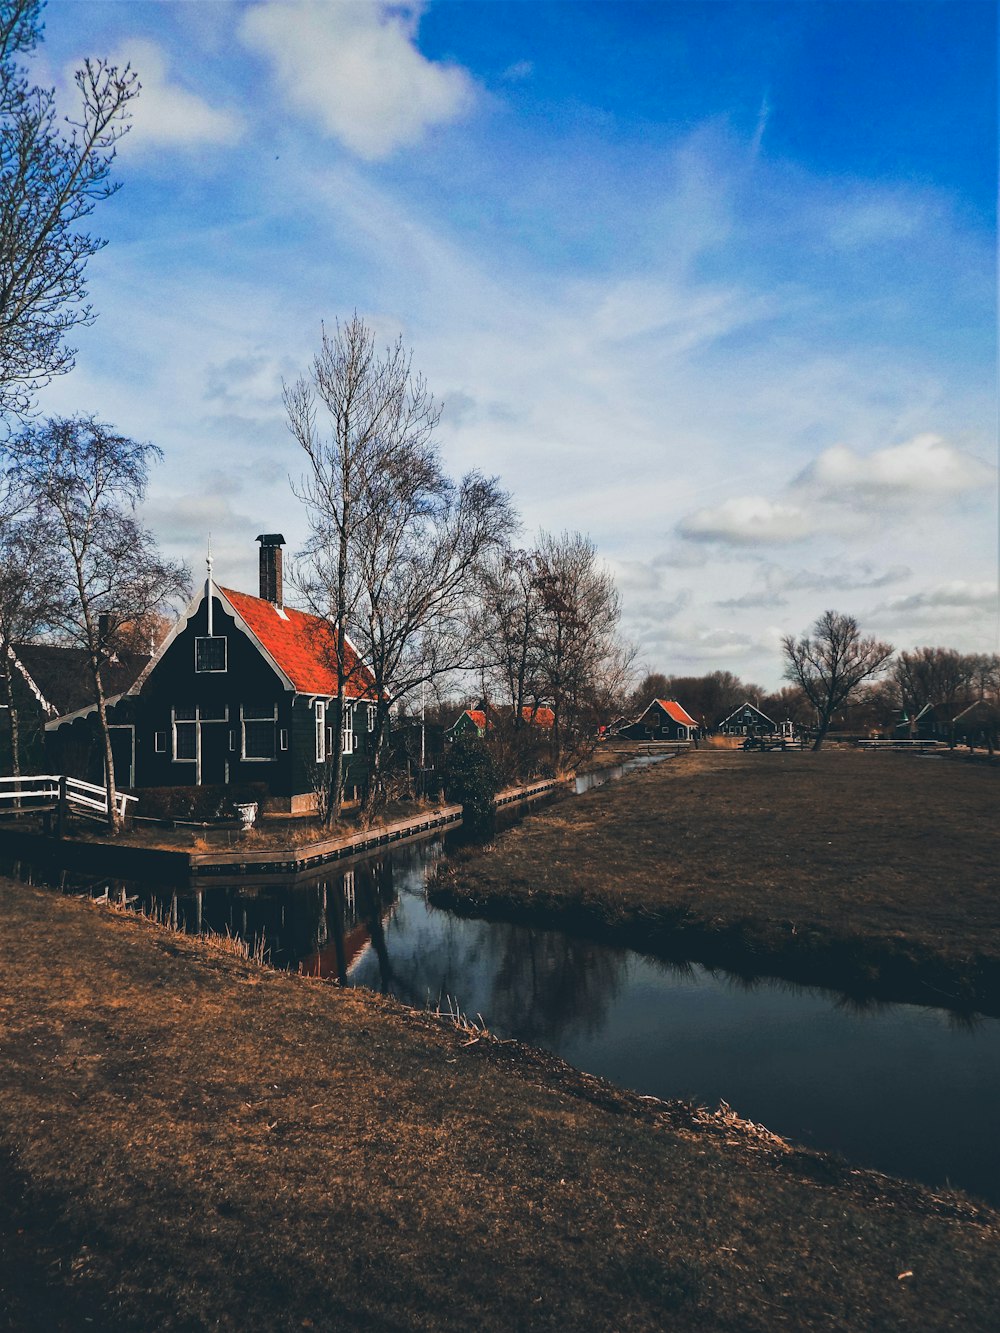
(748, 718)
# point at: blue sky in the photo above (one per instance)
(712, 282)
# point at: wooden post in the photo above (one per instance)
(61, 808)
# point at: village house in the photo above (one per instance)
(240, 691)
(483, 717)
(747, 720)
(49, 680)
(663, 720)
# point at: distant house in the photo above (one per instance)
(470, 722)
(663, 720)
(747, 720)
(240, 691)
(484, 718)
(979, 723)
(48, 681)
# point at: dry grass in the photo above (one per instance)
(839, 866)
(188, 1141)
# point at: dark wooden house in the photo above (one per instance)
(663, 720)
(747, 720)
(240, 692)
(49, 681)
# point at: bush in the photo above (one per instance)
(471, 778)
(199, 804)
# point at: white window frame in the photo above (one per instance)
(371, 717)
(186, 722)
(320, 727)
(200, 638)
(159, 742)
(347, 729)
(257, 759)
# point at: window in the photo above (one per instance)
(185, 740)
(283, 738)
(320, 731)
(210, 653)
(160, 742)
(371, 717)
(348, 729)
(185, 713)
(258, 730)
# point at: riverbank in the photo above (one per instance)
(190, 1141)
(871, 873)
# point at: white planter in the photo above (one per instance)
(247, 814)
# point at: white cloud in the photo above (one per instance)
(747, 520)
(926, 464)
(166, 115)
(356, 69)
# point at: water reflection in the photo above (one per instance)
(908, 1090)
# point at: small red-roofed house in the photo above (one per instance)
(484, 718)
(663, 720)
(240, 692)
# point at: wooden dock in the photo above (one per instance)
(252, 861)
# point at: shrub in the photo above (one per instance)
(472, 779)
(199, 804)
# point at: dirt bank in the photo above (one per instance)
(188, 1141)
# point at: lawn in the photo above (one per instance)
(842, 867)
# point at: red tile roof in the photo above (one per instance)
(542, 716)
(303, 646)
(673, 709)
(478, 716)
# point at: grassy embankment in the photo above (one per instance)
(188, 1141)
(870, 872)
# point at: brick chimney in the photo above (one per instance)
(270, 567)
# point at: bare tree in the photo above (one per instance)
(374, 406)
(87, 481)
(934, 676)
(831, 664)
(33, 598)
(510, 609)
(419, 561)
(578, 644)
(51, 178)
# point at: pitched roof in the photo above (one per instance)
(303, 646)
(742, 710)
(673, 709)
(62, 675)
(542, 716)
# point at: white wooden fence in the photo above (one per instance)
(42, 791)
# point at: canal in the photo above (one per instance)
(908, 1090)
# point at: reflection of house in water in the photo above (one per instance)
(321, 923)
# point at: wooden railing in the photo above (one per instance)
(45, 791)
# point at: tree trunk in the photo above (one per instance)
(15, 731)
(375, 767)
(114, 819)
(335, 792)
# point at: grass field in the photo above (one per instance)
(188, 1141)
(862, 870)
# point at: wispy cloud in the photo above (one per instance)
(167, 114)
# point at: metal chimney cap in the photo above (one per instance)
(270, 539)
